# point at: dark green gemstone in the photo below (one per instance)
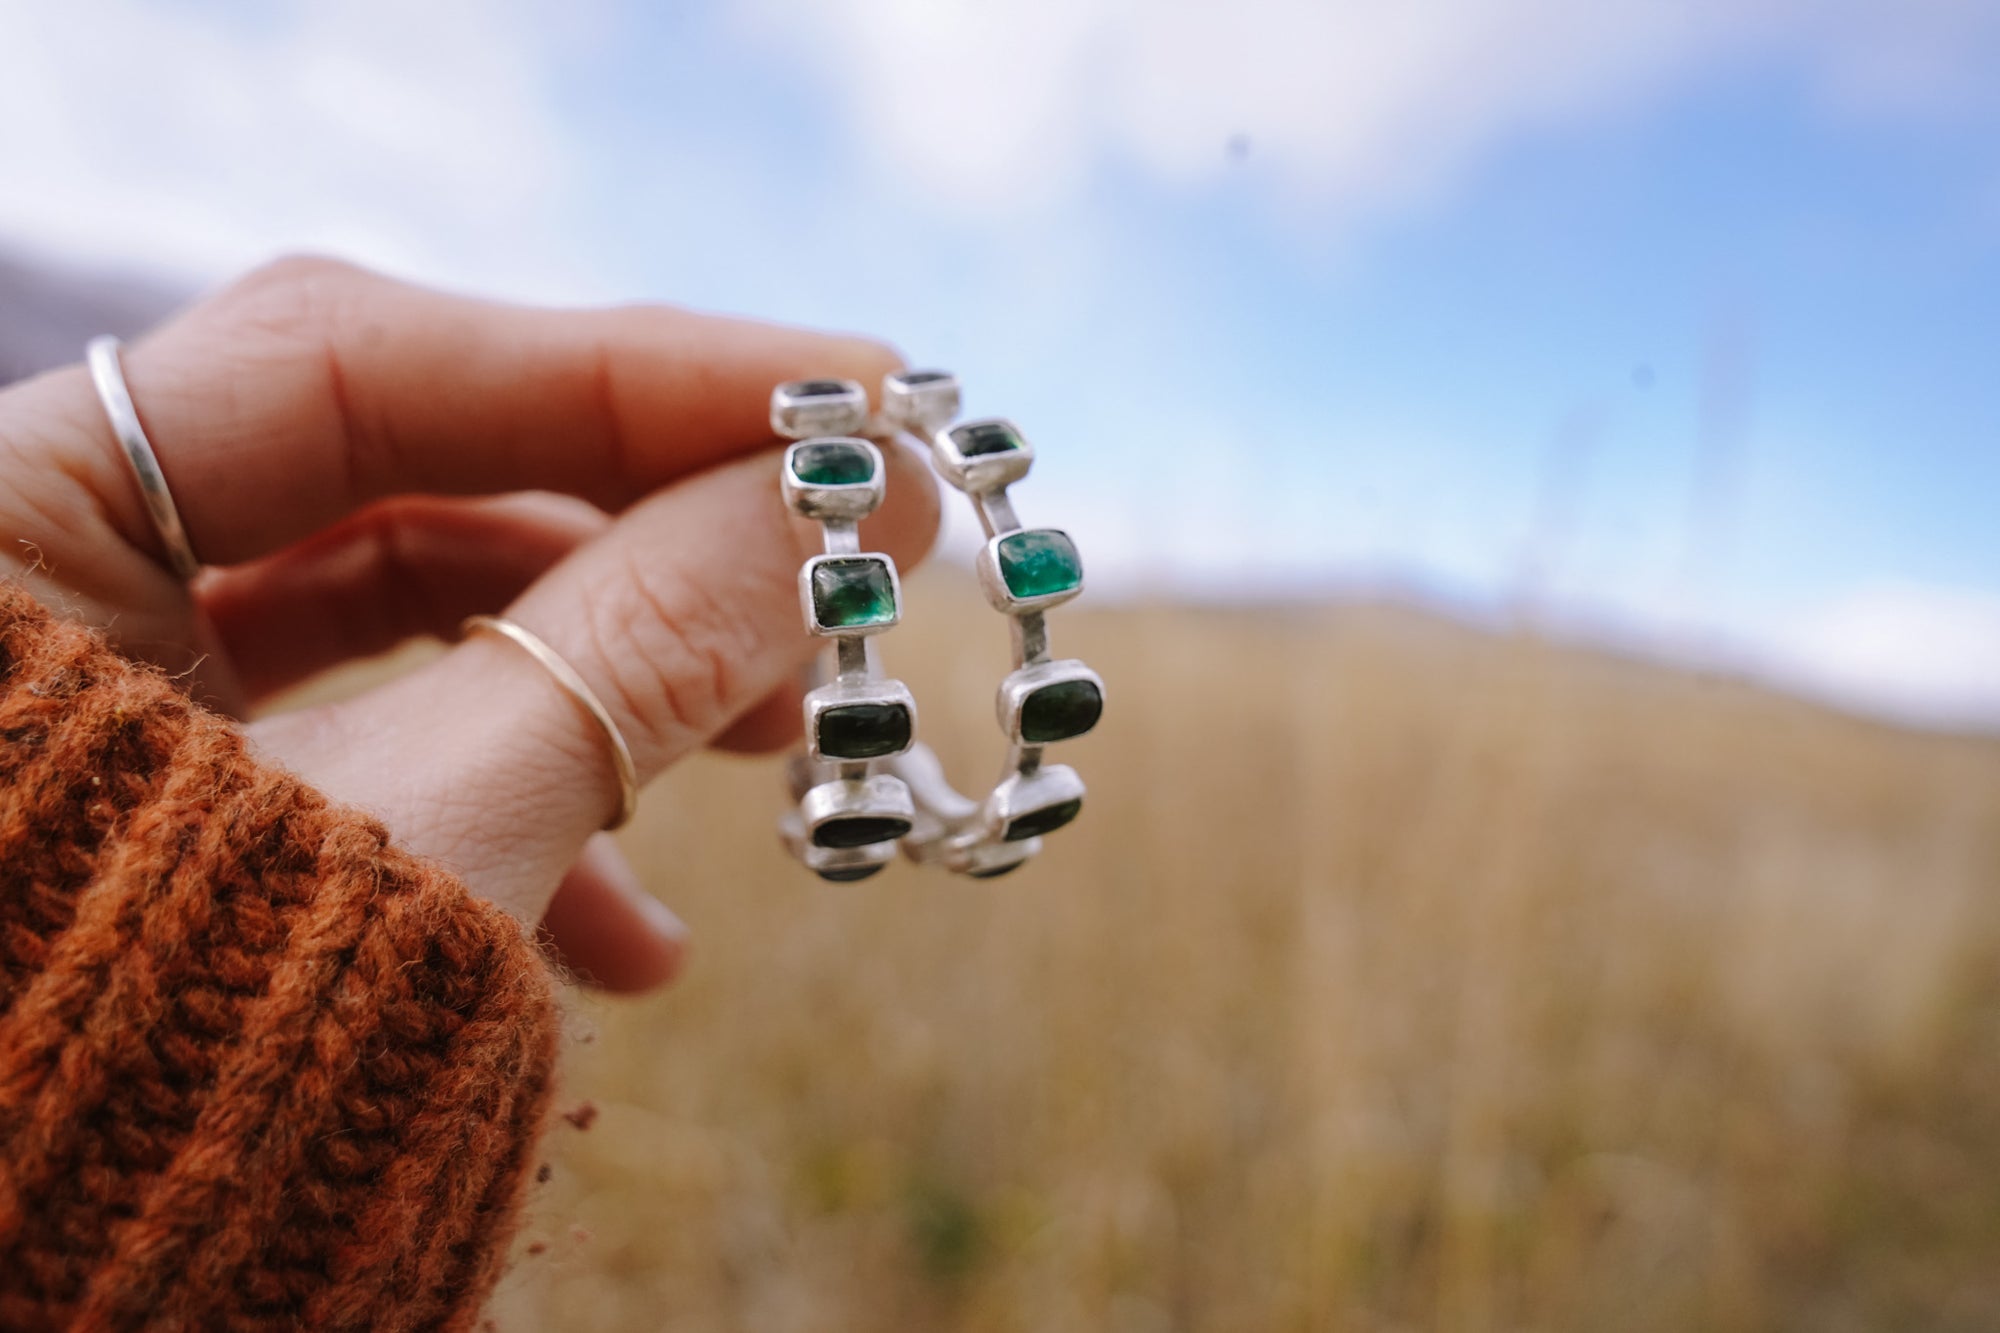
(832, 463)
(986, 437)
(1045, 820)
(859, 831)
(1038, 562)
(864, 731)
(1059, 711)
(848, 874)
(851, 594)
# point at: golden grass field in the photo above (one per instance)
(1397, 977)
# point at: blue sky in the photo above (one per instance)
(1682, 325)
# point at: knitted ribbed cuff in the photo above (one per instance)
(258, 1067)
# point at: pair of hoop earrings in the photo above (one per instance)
(864, 784)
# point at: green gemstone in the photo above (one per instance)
(853, 594)
(864, 731)
(1045, 820)
(860, 831)
(1059, 711)
(986, 437)
(832, 463)
(1039, 562)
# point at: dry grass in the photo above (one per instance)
(1397, 977)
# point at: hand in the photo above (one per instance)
(322, 429)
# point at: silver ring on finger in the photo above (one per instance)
(108, 375)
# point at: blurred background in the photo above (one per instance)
(1538, 464)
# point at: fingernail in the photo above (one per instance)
(659, 916)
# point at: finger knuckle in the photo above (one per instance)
(304, 315)
(673, 653)
(290, 305)
(294, 273)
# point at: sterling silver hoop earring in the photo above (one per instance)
(850, 811)
(1024, 572)
(1044, 700)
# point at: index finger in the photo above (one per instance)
(313, 387)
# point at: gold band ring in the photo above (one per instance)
(576, 688)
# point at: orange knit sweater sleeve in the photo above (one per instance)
(258, 1068)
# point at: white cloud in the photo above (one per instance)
(1917, 652)
(429, 137)
(1345, 104)
(416, 136)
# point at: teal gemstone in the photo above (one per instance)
(832, 463)
(853, 594)
(864, 731)
(1039, 562)
(977, 438)
(1059, 711)
(859, 831)
(1045, 820)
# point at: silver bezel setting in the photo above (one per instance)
(800, 413)
(878, 796)
(852, 501)
(1022, 794)
(811, 607)
(920, 407)
(839, 864)
(845, 694)
(979, 473)
(983, 858)
(1013, 693)
(994, 584)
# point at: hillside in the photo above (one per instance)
(1397, 976)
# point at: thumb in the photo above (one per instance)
(680, 618)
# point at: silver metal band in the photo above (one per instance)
(108, 375)
(577, 688)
